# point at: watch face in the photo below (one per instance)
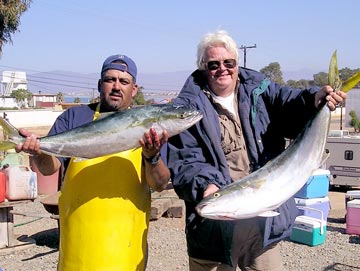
(153, 160)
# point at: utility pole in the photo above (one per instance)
(245, 48)
(341, 117)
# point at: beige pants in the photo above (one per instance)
(247, 252)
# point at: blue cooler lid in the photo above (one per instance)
(310, 222)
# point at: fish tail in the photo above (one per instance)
(12, 135)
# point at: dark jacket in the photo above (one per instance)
(72, 118)
(269, 113)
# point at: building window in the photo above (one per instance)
(348, 155)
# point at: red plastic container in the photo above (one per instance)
(2, 186)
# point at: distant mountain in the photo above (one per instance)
(71, 83)
(163, 82)
(78, 84)
(306, 74)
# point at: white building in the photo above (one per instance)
(43, 100)
(13, 80)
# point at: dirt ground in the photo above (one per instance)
(167, 245)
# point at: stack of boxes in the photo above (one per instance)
(313, 203)
(352, 203)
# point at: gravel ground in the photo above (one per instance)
(167, 246)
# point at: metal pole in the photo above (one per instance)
(245, 48)
(341, 116)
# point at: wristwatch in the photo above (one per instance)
(152, 160)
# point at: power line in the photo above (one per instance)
(43, 73)
(51, 80)
(83, 82)
(242, 47)
(60, 84)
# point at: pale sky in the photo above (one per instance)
(162, 36)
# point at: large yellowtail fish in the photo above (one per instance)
(113, 133)
(264, 190)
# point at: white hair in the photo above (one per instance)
(220, 37)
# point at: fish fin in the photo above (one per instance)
(11, 133)
(269, 214)
(351, 82)
(6, 145)
(333, 75)
(334, 79)
(104, 115)
(8, 128)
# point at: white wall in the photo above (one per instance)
(8, 102)
(31, 118)
(44, 117)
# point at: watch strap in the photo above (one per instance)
(152, 160)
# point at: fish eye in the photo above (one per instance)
(216, 195)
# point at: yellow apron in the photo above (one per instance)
(104, 214)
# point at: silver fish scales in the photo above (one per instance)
(259, 193)
(116, 132)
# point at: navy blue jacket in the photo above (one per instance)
(269, 113)
(70, 119)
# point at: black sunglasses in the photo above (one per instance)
(215, 64)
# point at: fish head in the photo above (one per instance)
(238, 200)
(176, 119)
(226, 205)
